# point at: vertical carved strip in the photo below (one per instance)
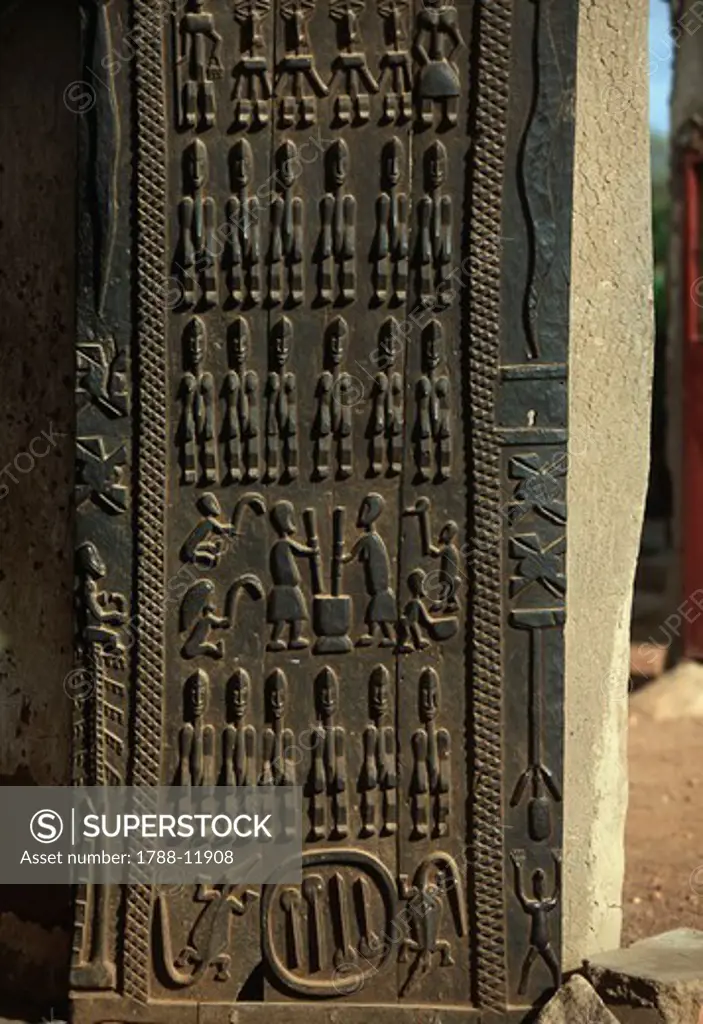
(152, 455)
(491, 117)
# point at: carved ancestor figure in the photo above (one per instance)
(209, 940)
(435, 218)
(252, 89)
(378, 782)
(281, 408)
(337, 247)
(278, 766)
(333, 423)
(396, 63)
(196, 740)
(244, 249)
(449, 576)
(98, 612)
(241, 429)
(433, 430)
(195, 262)
(438, 81)
(328, 776)
(197, 67)
(538, 907)
(430, 787)
(436, 880)
(286, 248)
(296, 69)
(417, 621)
(278, 748)
(239, 738)
(370, 549)
(286, 603)
(199, 615)
(391, 243)
(352, 103)
(197, 431)
(387, 413)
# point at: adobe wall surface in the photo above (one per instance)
(610, 384)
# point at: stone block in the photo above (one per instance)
(576, 1002)
(662, 975)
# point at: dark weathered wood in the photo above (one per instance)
(322, 489)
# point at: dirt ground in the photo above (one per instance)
(664, 839)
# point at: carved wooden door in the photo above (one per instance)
(321, 383)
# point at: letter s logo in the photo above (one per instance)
(46, 826)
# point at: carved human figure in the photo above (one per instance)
(197, 431)
(435, 224)
(239, 737)
(298, 81)
(391, 246)
(206, 542)
(286, 247)
(396, 64)
(252, 88)
(328, 777)
(387, 420)
(370, 549)
(438, 83)
(195, 261)
(281, 408)
(337, 246)
(241, 429)
(196, 740)
(417, 624)
(437, 881)
(197, 67)
(243, 254)
(199, 616)
(378, 781)
(353, 102)
(538, 907)
(449, 576)
(278, 766)
(286, 603)
(98, 611)
(430, 786)
(433, 430)
(333, 422)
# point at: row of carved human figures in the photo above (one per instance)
(274, 755)
(274, 270)
(220, 437)
(299, 84)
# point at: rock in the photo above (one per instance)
(663, 974)
(576, 1002)
(676, 694)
